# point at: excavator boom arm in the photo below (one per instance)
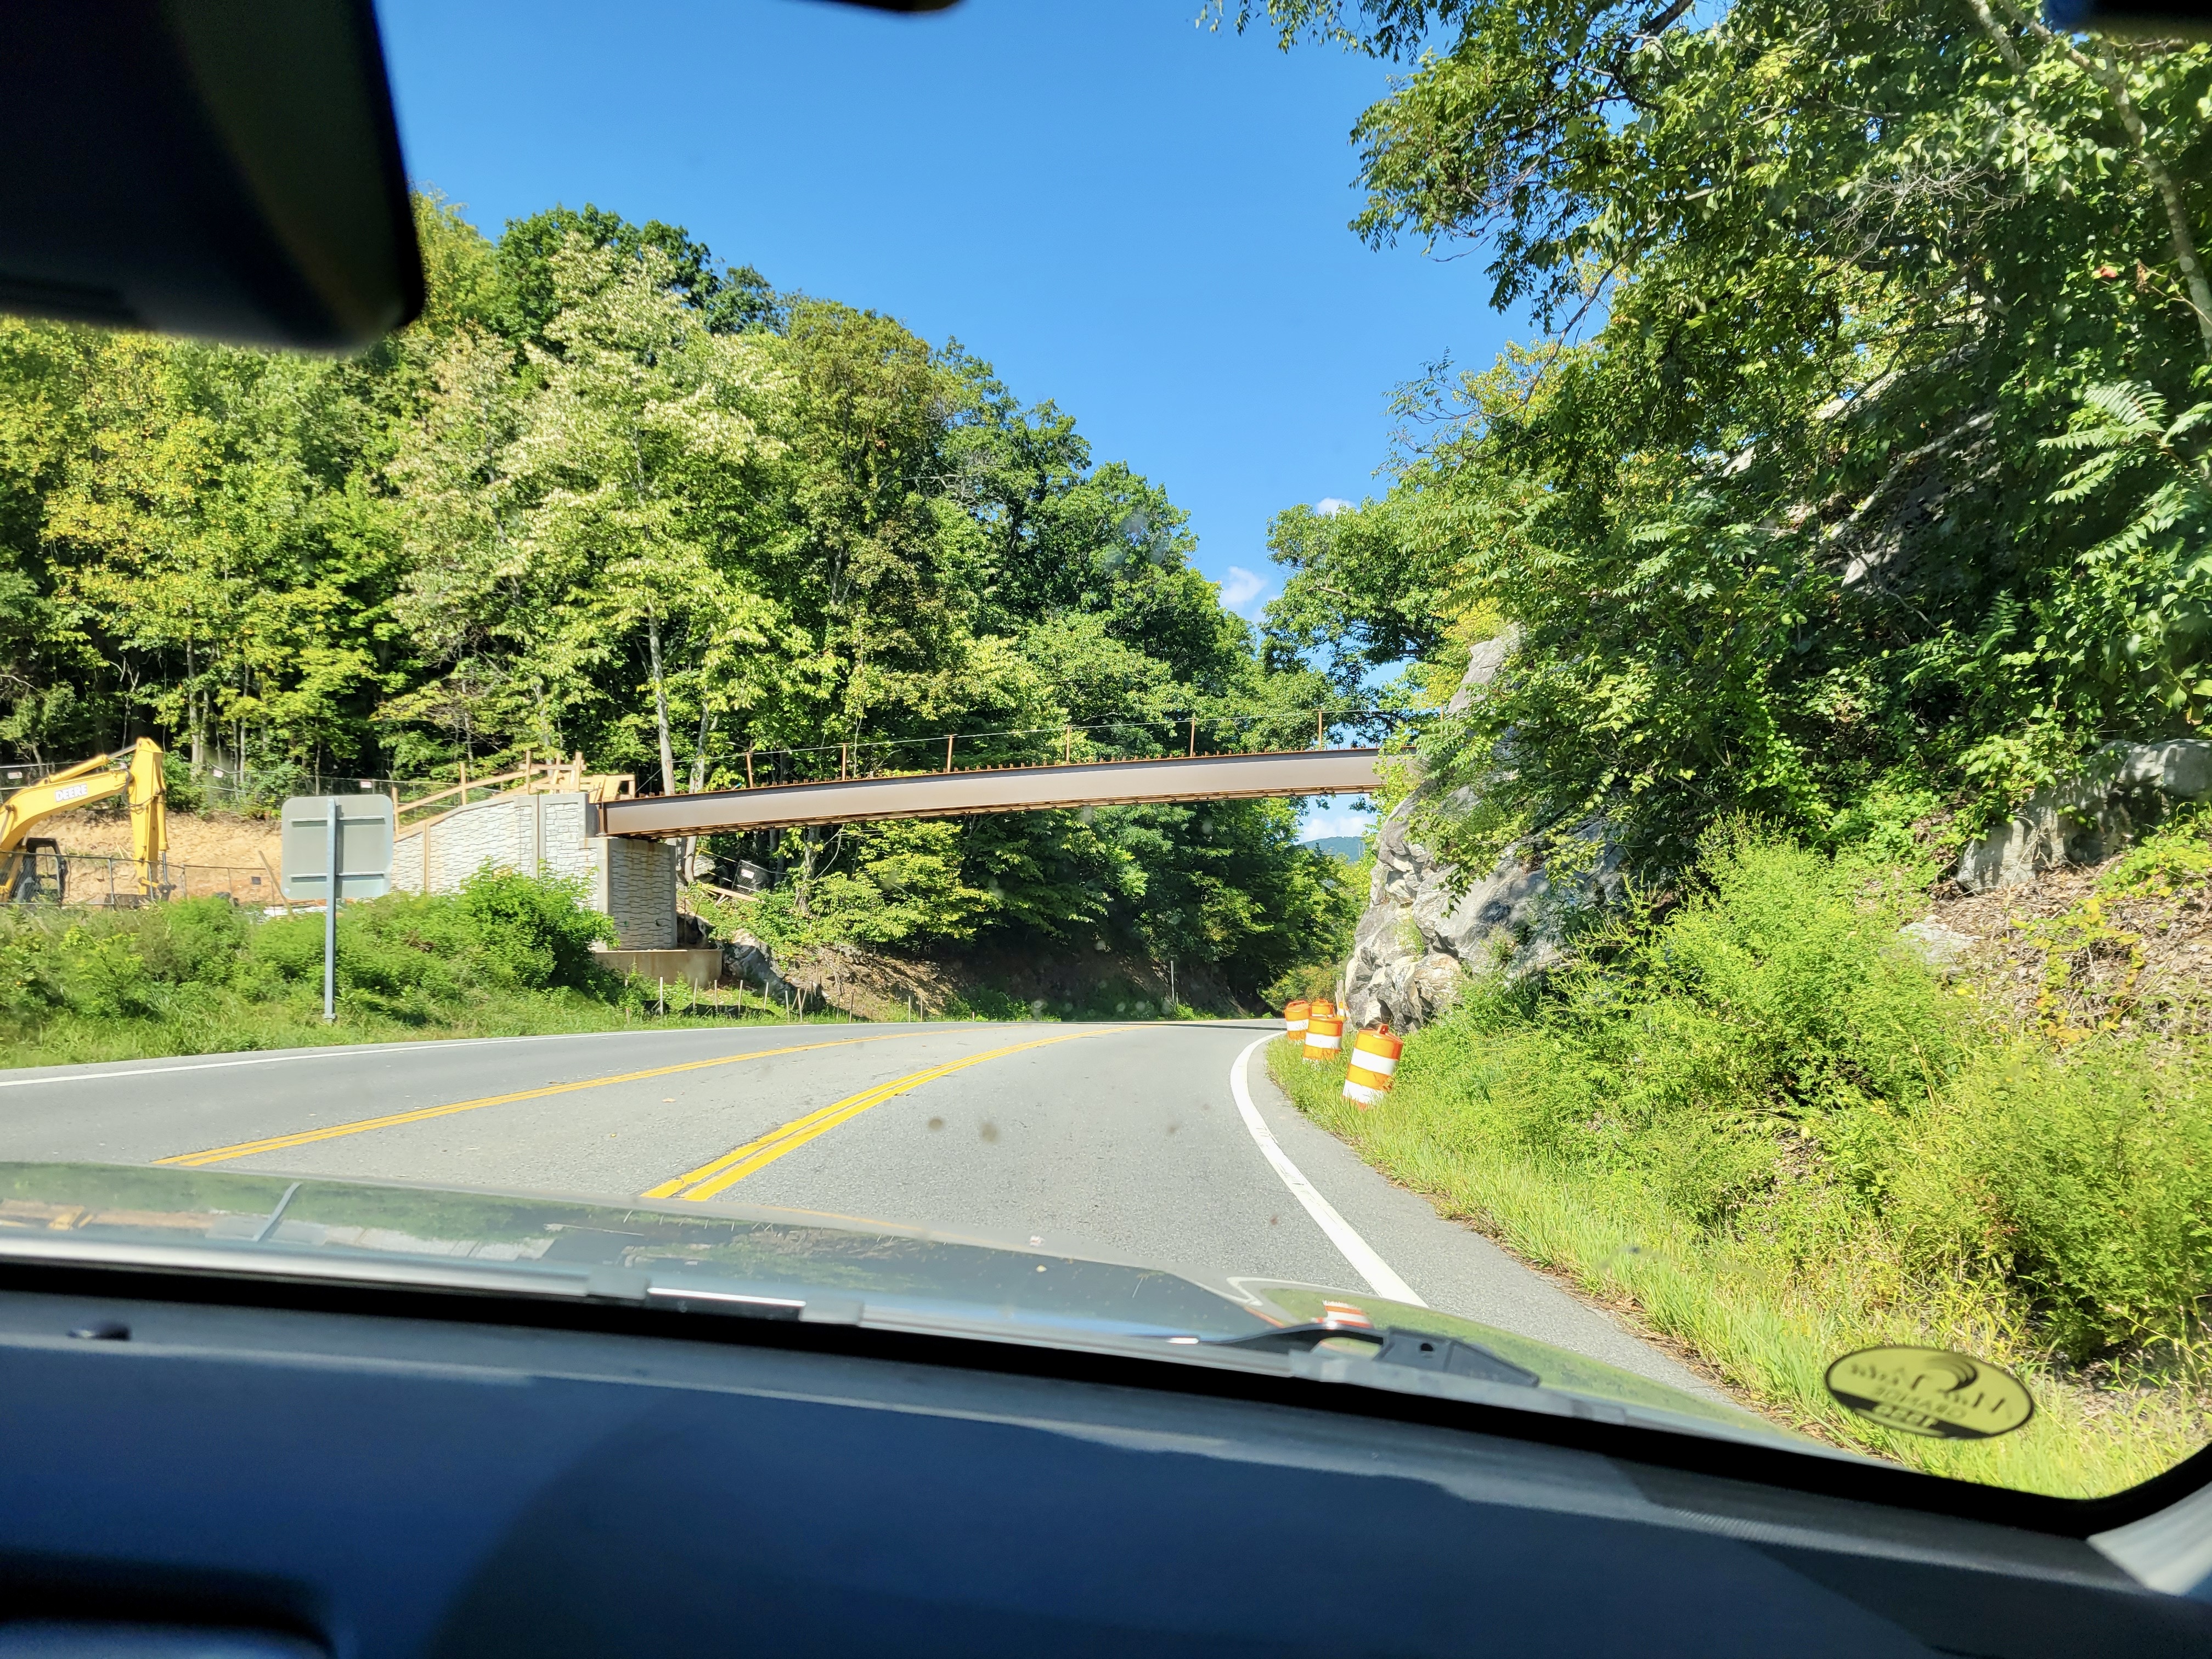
(27, 808)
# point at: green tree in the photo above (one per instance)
(608, 496)
(730, 300)
(1770, 500)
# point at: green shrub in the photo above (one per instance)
(2088, 1183)
(185, 793)
(280, 951)
(409, 955)
(32, 974)
(404, 954)
(106, 976)
(191, 941)
(1769, 1063)
(985, 1002)
(2174, 855)
(1770, 1022)
(533, 930)
(91, 965)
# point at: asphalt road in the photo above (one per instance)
(1126, 1141)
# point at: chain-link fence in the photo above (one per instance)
(251, 791)
(256, 791)
(40, 875)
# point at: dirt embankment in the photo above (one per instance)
(2067, 955)
(1071, 984)
(212, 840)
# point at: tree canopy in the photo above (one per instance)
(1860, 453)
(612, 495)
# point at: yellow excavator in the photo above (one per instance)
(27, 860)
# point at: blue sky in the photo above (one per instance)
(1136, 217)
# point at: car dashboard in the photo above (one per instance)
(215, 1469)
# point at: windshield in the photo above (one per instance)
(930, 695)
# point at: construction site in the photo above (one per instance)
(104, 836)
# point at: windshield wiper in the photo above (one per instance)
(1415, 1350)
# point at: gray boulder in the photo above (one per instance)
(1482, 665)
(2124, 789)
(1419, 941)
(748, 961)
(1944, 949)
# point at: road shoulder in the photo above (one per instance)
(1453, 1268)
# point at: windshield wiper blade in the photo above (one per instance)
(269, 1226)
(1415, 1350)
(730, 1302)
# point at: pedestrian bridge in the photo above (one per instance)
(995, 789)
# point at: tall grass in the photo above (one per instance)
(508, 955)
(1763, 1121)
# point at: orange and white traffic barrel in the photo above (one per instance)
(1373, 1067)
(1294, 1019)
(1324, 1033)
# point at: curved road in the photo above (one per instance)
(1126, 1141)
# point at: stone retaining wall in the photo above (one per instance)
(633, 881)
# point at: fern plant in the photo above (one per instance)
(2145, 612)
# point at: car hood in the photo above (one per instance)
(745, 1259)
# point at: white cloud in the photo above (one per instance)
(1240, 587)
(1333, 820)
(1329, 506)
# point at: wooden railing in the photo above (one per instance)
(531, 778)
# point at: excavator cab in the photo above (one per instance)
(37, 872)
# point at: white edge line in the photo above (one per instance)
(85, 1073)
(335, 1051)
(1355, 1250)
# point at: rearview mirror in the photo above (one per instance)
(220, 167)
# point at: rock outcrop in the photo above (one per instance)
(749, 961)
(2126, 788)
(1941, 948)
(1418, 941)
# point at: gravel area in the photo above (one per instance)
(2062, 955)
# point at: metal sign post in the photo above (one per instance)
(330, 923)
(336, 847)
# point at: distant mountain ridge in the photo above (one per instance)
(1350, 848)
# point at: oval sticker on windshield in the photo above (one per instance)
(1931, 1391)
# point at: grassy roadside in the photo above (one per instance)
(221, 1024)
(507, 955)
(1776, 1137)
(1770, 1339)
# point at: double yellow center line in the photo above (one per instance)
(733, 1167)
(308, 1137)
(708, 1179)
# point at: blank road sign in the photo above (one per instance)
(365, 830)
